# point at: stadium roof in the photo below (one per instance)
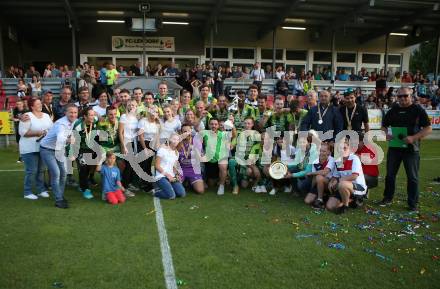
(367, 19)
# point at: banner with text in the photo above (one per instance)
(375, 118)
(6, 126)
(434, 116)
(134, 43)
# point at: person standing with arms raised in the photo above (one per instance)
(409, 123)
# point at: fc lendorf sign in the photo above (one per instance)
(134, 43)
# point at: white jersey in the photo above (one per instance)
(329, 164)
(352, 165)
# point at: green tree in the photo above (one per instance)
(423, 58)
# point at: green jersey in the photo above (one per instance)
(86, 132)
(112, 142)
(280, 121)
(218, 150)
(241, 115)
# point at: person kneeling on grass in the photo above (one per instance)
(112, 189)
(168, 184)
(370, 169)
(321, 174)
(347, 184)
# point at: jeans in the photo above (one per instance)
(34, 170)
(411, 162)
(167, 190)
(57, 172)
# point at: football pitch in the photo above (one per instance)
(209, 241)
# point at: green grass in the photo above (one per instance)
(245, 241)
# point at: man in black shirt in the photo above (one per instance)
(414, 118)
(353, 114)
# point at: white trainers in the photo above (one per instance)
(221, 190)
(263, 189)
(256, 189)
(44, 194)
(288, 189)
(31, 197)
(272, 192)
(235, 190)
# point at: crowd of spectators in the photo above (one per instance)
(289, 82)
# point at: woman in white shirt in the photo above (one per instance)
(168, 184)
(31, 133)
(128, 125)
(169, 124)
(149, 128)
(35, 86)
(101, 108)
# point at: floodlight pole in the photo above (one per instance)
(274, 36)
(2, 56)
(437, 58)
(73, 46)
(143, 43)
(386, 55)
(211, 44)
(333, 71)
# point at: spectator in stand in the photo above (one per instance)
(219, 78)
(31, 72)
(290, 73)
(103, 74)
(279, 72)
(112, 75)
(282, 86)
(353, 76)
(237, 71)
(370, 103)
(406, 78)
(56, 73)
(21, 88)
(418, 76)
(258, 75)
(373, 76)
(35, 86)
(246, 74)
(228, 72)
(122, 71)
(158, 71)
(343, 76)
(172, 70)
(48, 71)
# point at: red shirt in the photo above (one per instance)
(370, 170)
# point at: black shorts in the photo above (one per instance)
(211, 170)
(356, 187)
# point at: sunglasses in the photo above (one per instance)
(402, 95)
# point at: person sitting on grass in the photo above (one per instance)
(112, 189)
(321, 174)
(347, 185)
(305, 155)
(280, 152)
(168, 184)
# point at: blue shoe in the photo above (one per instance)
(87, 194)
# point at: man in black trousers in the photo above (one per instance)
(413, 117)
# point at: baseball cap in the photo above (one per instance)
(46, 91)
(348, 91)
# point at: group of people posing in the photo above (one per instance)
(140, 141)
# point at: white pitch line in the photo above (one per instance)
(4, 171)
(167, 259)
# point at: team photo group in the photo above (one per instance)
(313, 146)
